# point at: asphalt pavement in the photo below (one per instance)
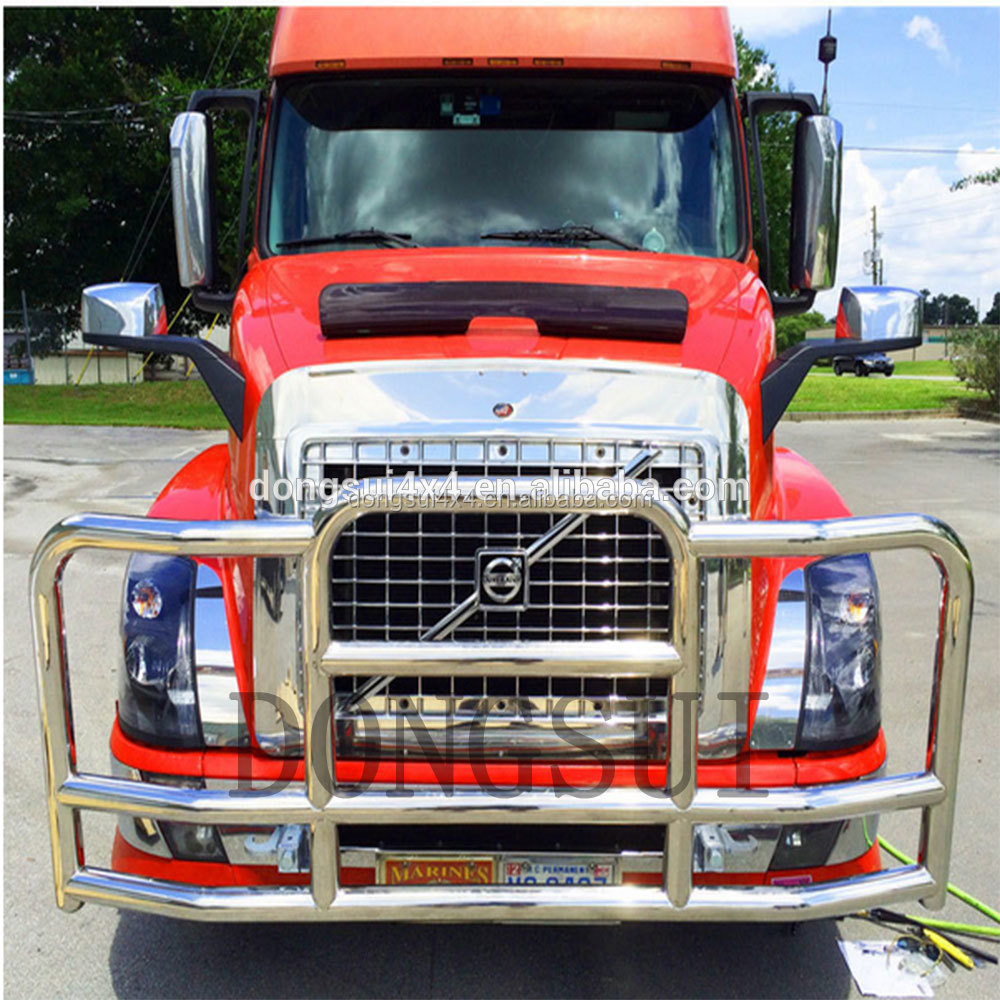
(948, 468)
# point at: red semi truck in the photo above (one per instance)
(491, 247)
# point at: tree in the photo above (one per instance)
(89, 96)
(992, 317)
(976, 355)
(948, 310)
(777, 142)
(789, 330)
(984, 177)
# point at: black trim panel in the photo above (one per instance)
(447, 307)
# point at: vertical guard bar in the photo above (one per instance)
(57, 738)
(119, 534)
(842, 536)
(937, 821)
(324, 858)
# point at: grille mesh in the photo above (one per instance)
(394, 576)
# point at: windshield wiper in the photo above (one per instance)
(378, 236)
(569, 233)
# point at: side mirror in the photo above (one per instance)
(815, 225)
(814, 212)
(893, 318)
(132, 316)
(191, 185)
(868, 320)
(123, 309)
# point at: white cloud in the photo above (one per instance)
(923, 29)
(970, 162)
(932, 237)
(760, 23)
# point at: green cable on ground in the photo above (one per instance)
(975, 930)
(976, 904)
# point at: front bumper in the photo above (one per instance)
(324, 804)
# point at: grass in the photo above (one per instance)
(820, 394)
(189, 405)
(146, 404)
(924, 368)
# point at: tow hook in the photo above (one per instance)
(290, 845)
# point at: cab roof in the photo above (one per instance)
(672, 39)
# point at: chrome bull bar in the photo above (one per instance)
(323, 805)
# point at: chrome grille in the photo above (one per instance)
(395, 576)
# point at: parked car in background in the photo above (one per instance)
(864, 364)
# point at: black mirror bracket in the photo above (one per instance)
(223, 376)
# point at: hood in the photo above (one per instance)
(277, 323)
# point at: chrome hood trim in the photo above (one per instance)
(549, 399)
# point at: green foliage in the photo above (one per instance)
(89, 95)
(789, 330)
(992, 317)
(777, 145)
(984, 177)
(948, 310)
(976, 355)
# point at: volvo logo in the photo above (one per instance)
(502, 576)
(503, 410)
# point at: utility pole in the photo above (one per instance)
(873, 258)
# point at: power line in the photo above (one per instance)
(107, 109)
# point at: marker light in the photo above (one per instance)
(147, 601)
(857, 608)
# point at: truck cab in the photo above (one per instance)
(499, 601)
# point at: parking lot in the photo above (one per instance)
(948, 468)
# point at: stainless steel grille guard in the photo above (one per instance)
(323, 808)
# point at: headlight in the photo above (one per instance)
(157, 700)
(840, 703)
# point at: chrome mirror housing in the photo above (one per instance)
(190, 182)
(123, 309)
(881, 313)
(815, 225)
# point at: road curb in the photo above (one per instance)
(871, 415)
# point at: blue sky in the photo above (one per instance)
(915, 77)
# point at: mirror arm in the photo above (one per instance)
(223, 376)
(786, 372)
(792, 305)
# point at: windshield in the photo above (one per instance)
(444, 162)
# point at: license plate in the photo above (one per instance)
(566, 870)
(417, 870)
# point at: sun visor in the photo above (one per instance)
(448, 307)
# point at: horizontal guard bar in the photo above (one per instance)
(633, 658)
(813, 804)
(464, 904)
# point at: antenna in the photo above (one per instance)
(827, 53)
